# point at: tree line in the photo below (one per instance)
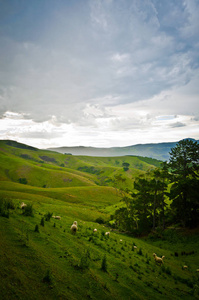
(167, 195)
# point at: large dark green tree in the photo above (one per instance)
(149, 199)
(142, 203)
(144, 207)
(184, 165)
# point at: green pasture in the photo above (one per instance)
(73, 262)
(49, 262)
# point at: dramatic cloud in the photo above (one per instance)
(99, 73)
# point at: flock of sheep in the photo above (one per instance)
(74, 228)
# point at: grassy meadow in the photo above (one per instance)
(44, 260)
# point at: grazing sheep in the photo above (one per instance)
(135, 247)
(185, 267)
(23, 205)
(74, 227)
(95, 230)
(56, 217)
(197, 270)
(158, 260)
(107, 233)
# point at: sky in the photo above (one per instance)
(100, 73)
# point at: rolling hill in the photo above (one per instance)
(41, 259)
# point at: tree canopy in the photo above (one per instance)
(176, 182)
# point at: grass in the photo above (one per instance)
(48, 262)
(56, 253)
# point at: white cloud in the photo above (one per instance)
(115, 66)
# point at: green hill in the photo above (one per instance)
(49, 262)
(51, 169)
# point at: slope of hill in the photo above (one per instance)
(49, 169)
(41, 259)
(158, 151)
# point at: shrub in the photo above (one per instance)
(10, 204)
(28, 210)
(47, 278)
(104, 264)
(42, 222)
(100, 220)
(4, 212)
(23, 180)
(48, 216)
(5, 205)
(140, 251)
(36, 228)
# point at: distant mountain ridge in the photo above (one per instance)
(154, 150)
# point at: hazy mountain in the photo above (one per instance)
(158, 151)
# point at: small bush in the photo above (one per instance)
(36, 228)
(10, 204)
(140, 251)
(5, 205)
(4, 212)
(28, 210)
(42, 222)
(100, 220)
(147, 261)
(104, 264)
(48, 216)
(47, 278)
(23, 180)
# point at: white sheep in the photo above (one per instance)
(158, 260)
(107, 233)
(135, 247)
(74, 227)
(23, 205)
(185, 267)
(95, 230)
(56, 217)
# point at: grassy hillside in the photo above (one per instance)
(51, 169)
(48, 262)
(55, 264)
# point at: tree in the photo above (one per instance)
(125, 166)
(149, 199)
(184, 165)
(146, 204)
(142, 199)
(159, 186)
